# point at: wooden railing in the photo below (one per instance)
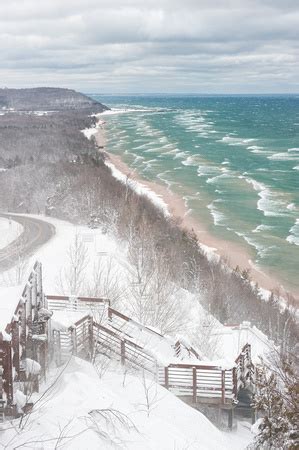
(73, 303)
(110, 342)
(203, 383)
(207, 383)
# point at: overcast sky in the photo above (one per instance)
(196, 46)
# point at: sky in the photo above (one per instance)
(148, 46)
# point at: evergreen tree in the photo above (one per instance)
(277, 398)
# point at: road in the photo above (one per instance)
(35, 233)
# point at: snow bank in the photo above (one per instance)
(139, 188)
(79, 393)
(9, 299)
(233, 338)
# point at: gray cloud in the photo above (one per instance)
(151, 45)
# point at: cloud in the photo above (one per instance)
(165, 45)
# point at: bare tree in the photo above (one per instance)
(72, 277)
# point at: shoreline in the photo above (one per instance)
(232, 254)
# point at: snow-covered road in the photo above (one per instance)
(20, 237)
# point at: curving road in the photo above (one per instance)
(35, 233)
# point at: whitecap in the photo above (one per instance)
(261, 250)
(190, 161)
(294, 149)
(228, 139)
(262, 227)
(226, 174)
(291, 207)
(217, 215)
(283, 156)
(269, 203)
(293, 238)
(205, 170)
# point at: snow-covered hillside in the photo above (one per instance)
(117, 411)
(154, 418)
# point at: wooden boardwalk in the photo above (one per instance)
(47, 327)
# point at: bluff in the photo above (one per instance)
(48, 99)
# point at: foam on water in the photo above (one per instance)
(262, 227)
(228, 139)
(207, 170)
(268, 203)
(237, 135)
(284, 156)
(225, 174)
(191, 161)
(218, 217)
(293, 238)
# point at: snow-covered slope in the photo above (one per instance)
(69, 410)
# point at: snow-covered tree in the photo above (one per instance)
(277, 398)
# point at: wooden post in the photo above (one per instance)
(194, 385)
(230, 418)
(90, 336)
(74, 341)
(16, 346)
(123, 352)
(8, 373)
(166, 382)
(235, 383)
(223, 387)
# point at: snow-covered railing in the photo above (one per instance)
(23, 338)
(203, 383)
(120, 320)
(73, 303)
(243, 371)
(110, 343)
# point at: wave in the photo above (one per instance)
(236, 140)
(283, 156)
(268, 203)
(262, 227)
(294, 149)
(218, 217)
(225, 174)
(180, 155)
(296, 168)
(293, 238)
(190, 161)
(291, 207)
(207, 171)
(262, 250)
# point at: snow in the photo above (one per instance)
(233, 338)
(79, 392)
(31, 367)
(139, 188)
(62, 320)
(20, 399)
(89, 132)
(172, 424)
(9, 231)
(9, 299)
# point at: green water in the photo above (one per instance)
(234, 160)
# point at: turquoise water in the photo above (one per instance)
(234, 160)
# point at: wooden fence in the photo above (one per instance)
(207, 383)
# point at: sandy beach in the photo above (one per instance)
(233, 254)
